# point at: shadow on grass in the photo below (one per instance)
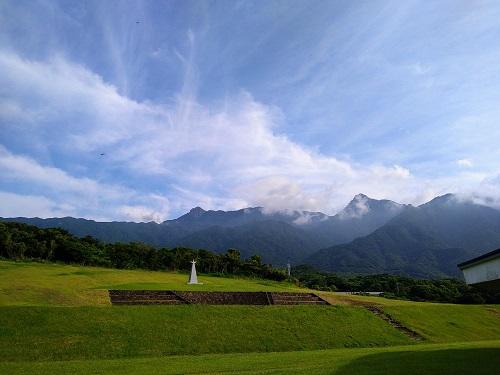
(449, 361)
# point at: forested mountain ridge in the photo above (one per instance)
(278, 236)
(424, 241)
(367, 236)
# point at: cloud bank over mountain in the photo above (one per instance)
(228, 156)
(95, 137)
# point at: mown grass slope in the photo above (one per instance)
(436, 322)
(48, 284)
(450, 323)
(479, 358)
(61, 313)
(41, 318)
(63, 333)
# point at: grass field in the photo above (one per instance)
(56, 319)
(62, 333)
(29, 283)
(437, 322)
(478, 358)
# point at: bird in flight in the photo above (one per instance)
(102, 154)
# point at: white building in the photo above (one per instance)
(483, 271)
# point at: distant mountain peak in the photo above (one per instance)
(442, 199)
(446, 196)
(361, 196)
(197, 211)
(194, 213)
(361, 205)
(357, 207)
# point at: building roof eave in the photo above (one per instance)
(482, 258)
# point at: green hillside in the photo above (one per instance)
(51, 313)
(436, 322)
(66, 333)
(31, 283)
(35, 329)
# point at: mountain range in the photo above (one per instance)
(424, 241)
(367, 236)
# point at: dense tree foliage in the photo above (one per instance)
(392, 286)
(22, 241)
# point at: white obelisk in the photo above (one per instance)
(193, 278)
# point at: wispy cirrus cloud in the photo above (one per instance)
(180, 125)
(231, 150)
(59, 193)
(467, 163)
(18, 205)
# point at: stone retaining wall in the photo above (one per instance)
(171, 297)
(225, 298)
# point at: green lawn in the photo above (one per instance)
(56, 319)
(437, 322)
(480, 358)
(450, 323)
(47, 284)
(62, 333)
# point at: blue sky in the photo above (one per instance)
(229, 104)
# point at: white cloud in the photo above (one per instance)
(357, 209)
(467, 163)
(487, 193)
(15, 205)
(305, 217)
(277, 193)
(420, 69)
(11, 111)
(22, 168)
(221, 156)
(157, 210)
(142, 213)
(71, 194)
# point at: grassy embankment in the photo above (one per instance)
(478, 358)
(436, 322)
(59, 313)
(42, 331)
(47, 284)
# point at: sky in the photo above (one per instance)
(141, 110)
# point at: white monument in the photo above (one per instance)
(193, 278)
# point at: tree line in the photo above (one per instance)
(397, 287)
(20, 241)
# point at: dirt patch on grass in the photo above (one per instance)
(494, 311)
(374, 308)
(336, 299)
